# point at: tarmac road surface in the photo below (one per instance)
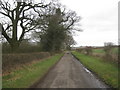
(70, 73)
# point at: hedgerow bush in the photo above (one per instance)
(12, 61)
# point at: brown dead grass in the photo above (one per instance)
(112, 58)
(16, 61)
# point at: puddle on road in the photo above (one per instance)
(89, 72)
(83, 66)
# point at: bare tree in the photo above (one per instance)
(108, 47)
(108, 50)
(69, 41)
(88, 50)
(18, 14)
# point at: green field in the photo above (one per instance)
(101, 50)
(106, 71)
(27, 75)
(98, 51)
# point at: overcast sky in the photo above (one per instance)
(99, 21)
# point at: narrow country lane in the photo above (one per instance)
(70, 73)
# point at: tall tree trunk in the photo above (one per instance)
(14, 45)
(14, 42)
(14, 34)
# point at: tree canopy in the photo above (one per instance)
(51, 23)
(18, 14)
(55, 28)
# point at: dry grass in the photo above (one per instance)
(14, 61)
(27, 75)
(99, 52)
(110, 57)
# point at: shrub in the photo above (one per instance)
(12, 61)
(88, 50)
(108, 47)
(108, 50)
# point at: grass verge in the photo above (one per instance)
(101, 50)
(29, 74)
(98, 51)
(106, 71)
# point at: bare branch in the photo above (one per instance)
(5, 34)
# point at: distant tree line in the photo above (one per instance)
(108, 52)
(50, 24)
